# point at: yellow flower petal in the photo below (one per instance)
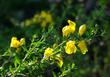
(82, 29)
(71, 23)
(82, 46)
(14, 42)
(48, 53)
(13, 38)
(65, 30)
(72, 26)
(70, 47)
(22, 41)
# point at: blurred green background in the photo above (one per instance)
(95, 13)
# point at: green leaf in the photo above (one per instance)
(16, 61)
(54, 75)
(11, 69)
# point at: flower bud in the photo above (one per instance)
(82, 29)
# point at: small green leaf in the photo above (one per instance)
(16, 61)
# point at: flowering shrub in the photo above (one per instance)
(55, 43)
(40, 56)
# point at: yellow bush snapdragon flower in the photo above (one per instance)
(69, 28)
(82, 46)
(48, 53)
(82, 29)
(15, 43)
(66, 30)
(46, 18)
(70, 47)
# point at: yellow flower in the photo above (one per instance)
(72, 26)
(69, 29)
(71, 23)
(82, 29)
(59, 60)
(46, 18)
(43, 14)
(22, 41)
(66, 30)
(48, 53)
(82, 46)
(70, 47)
(36, 18)
(14, 42)
(28, 22)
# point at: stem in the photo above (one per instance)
(58, 46)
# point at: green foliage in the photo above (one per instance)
(42, 29)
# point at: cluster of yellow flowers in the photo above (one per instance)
(15, 43)
(44, 18)
(70, 47)
(71, 28)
